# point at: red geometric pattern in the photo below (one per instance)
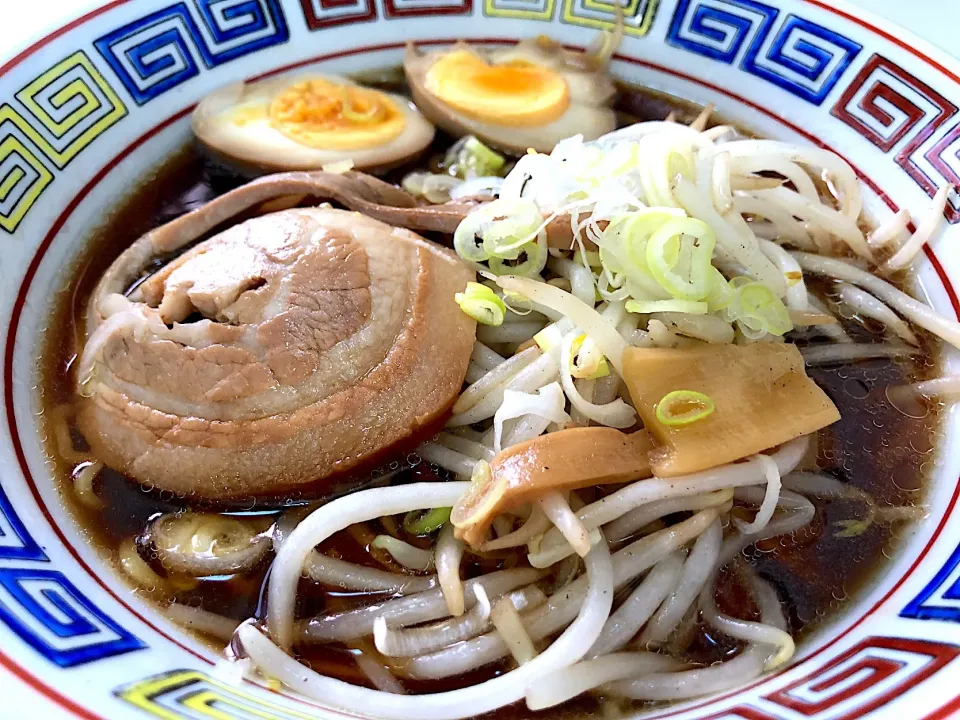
(413, 8)
(886, 104)
(866, 106)
(865, 677)
(326, 13)
(944, 157)
(741, 712)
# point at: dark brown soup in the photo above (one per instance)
(875, 447)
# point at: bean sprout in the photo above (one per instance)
(929, 227)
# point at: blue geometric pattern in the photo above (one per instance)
(45, 609)
(161, 50)
(803, 58)
(240, 27)
(49, 613)
(152, 54)
(718, 30)
(940, 599)
(15, 542)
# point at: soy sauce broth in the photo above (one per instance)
(817, 574)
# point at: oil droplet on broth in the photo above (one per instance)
(907, 401)
(856, 388)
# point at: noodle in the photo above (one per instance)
(347, 576)
(632, 521)
(448, 558)
(202, 621)
(555, 507)
(716, 678)
(921, 314)
(639, 606)
(536, 525)
(770, 498)
(138, 570)
(507, 623)
(428, 638)
(827, 354)
(498, 375)
(411, 610)
(719, 478)
(410, 557)
(867, 305)
(327, 520)
(455, 462)
(587, 674)
(696, 571)
(930, 225)
(468, 702)
(83, 478)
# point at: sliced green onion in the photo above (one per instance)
(721, 294)
(500, 230)
(466, 234)
(653, 306)
(482, 304)
(682, 407)
(418, 523)
(659, 254)
(549, 338)
(511, 225)
(536, 260)
(514, 302)
(761, 309)
(604, 291)
(594, 370)
(481, 158)
(665, 248)
(637, 230)
(470, 158)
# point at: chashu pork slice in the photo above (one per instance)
(277, 355)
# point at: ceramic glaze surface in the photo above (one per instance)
(91, 108)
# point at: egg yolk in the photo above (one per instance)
(325, 115)
(515, 94)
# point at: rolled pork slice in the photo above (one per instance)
(279, 355)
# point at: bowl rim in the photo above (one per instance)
(865, 18)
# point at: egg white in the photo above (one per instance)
(588, 114)
(256, 142)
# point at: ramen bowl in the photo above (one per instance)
(93, 108)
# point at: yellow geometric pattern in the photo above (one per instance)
(76, 112)
(602, 14)
(523, 9)
(25, 176)
(182, 694)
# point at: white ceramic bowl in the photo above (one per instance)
(89, 109)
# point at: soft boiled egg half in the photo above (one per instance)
(308, 122)
(531, 95)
